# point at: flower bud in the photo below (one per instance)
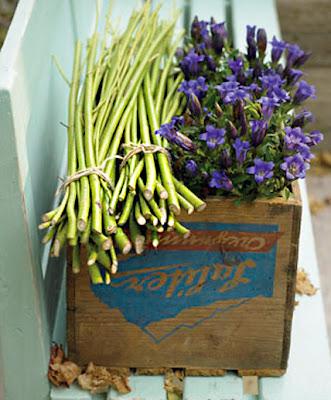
(194, 105)
(218, 109)
(261, 41)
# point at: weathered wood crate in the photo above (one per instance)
(221, 299)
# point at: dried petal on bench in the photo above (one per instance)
(316, 205)
(303, 284)
(173, 382)
(98, 379)
(60, 371)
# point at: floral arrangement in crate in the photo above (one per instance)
(241, 133)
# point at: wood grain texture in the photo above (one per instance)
(252, 336)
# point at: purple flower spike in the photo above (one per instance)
(225, 160)
(219, 34)
(293, 54)
(251, 42)
(294, 138)
(220, 180)
(302, 59)
(194, 105)
(190, 64)
(213, 136)
(261, 170)
(303, 92)
(199, 29)
(261, 41)
(293, 75)
(259, 129)
(241, 148)
(294, 166)
(191, 167)
(314, 138)
(301, 119)
(236, 66)
(169, 132)
(278, 47)
(197, 87)
(268, 106)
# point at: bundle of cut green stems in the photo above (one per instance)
(120, 191)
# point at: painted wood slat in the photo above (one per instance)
(309, 373)
(209, 8)
(143, 388)
(31, 152)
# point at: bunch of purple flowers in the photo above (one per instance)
(243, 129)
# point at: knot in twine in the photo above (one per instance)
(99, 170)
(142, 148)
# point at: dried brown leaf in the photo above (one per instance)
(61, 372)
(95, 379)
(303, 284)
(173, 382)
(316, 205)
(120, 383)
(325, 157)
(98, 379)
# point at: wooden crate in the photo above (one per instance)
(221, 299)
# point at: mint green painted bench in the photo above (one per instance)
(32, 145)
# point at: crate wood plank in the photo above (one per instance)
(309, 361)
(255, 326)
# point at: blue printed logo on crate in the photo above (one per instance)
(218, 262)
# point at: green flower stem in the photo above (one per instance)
(144, 207)
(181, 229)
(154, 220)
(47, 217)
(170, 95)
(92, 255)
(117, 190)
(126, 209)
(104, 242)
(85, 236)
(138, 215)
(60, 239)
(149, 158)
(163, 209)
(163, 161)
(61, 208)
(124, 189)
(73, 242)
(89, 148)
(95, 275)
(84, 196)
(163, 80)
(155, 239)
(75, 260)
(135, 175)
(161, 191)
(122, 241)
(114, 262)
(185, 204)
(137, 238)
(155, 208)
(134, 136)
(198, 204)
(171, 219)
(135, 82)
(155, 74)
(49, 235)
(109, 221)
(104, 259)
(113, 150)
